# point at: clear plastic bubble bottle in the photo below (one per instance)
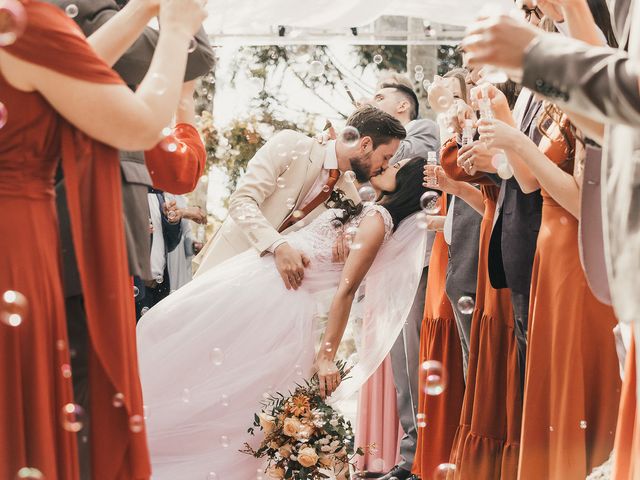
(432, 162)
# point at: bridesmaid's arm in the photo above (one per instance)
(110, 112)
(562, 186)
(370, 236)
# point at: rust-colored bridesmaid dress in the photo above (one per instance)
(487, 441)
(627, 444)
(35, 383)
(572, 382)
(439, 340)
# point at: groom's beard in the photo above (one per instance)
(361, 167)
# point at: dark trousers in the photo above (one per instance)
(521, 324)
(79, 352)
(151, 293)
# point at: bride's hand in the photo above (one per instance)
(328, 376)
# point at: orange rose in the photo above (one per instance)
(307, 457)
(291, 427)
(326, 460)
(285, 450)
(266, 422)
(275, 472)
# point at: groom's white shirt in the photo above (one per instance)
(282, 177)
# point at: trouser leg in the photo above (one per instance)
(521, 324)
(405, 362)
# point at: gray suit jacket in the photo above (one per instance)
(422, 137)
(132, 67)
(603, 84)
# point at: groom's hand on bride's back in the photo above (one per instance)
(291, 264)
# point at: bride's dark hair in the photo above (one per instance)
(402, 202)
(405, 198)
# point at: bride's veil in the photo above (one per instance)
(391, 285)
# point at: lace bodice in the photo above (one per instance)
(318, 238)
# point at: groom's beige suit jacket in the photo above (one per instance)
(277, 180)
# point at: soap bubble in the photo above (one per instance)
(136, 423)
(29, 473)
(216, 356)
(13, 308)
(71, 10)
(444, 471)
(72, 417)
(430, 202)
(434, 376)
(316, 69)
(367, 194)
(466, 305)
(4, 115)
(350, 136)
(13, 21)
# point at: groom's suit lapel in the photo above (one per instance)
(316, 162)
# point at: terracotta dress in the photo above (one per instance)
(627, 443)
(439, 340)
(572, 383)
(487, 441)
(35, 379)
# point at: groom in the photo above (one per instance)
(288, 181)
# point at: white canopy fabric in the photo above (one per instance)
(252, 17)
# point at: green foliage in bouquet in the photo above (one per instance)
(304, 438)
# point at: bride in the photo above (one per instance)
(210, 351)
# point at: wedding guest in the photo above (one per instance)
(166, 233)
(64, 101)
(440, 340)
(568, 427)
(487, 440)
(438, 415)
(175, 170)
(601, 84)
(462, 225)
(179, 260)
(517, 221)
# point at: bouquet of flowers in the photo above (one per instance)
(304, 438)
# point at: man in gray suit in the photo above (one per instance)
(590, 83)
(400, 101)
(132, 67)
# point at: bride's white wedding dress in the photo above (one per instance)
(210, 351)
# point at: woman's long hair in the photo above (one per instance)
(405, 199)
(460, 74)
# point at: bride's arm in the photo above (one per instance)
(370, 236)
